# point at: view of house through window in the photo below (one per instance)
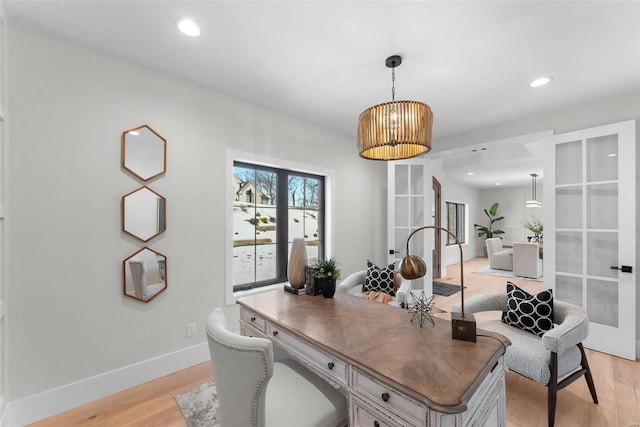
(455, 222)
(271, 207)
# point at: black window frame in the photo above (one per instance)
(459, 226)
(282, 224)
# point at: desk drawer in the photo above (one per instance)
(257, 322)
(366, 416)
(388, 398)
(330, 365)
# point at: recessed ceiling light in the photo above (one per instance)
(612, 155)
(540, 81)
(470, 173)
(188, 27)
(498, 183)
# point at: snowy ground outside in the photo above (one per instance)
(258, 222)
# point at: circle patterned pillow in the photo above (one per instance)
(379, 279)
(532, 313)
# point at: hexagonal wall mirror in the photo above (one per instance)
(144, 274)
(144, 152)
(143, 213)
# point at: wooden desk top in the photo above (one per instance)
(425, 363)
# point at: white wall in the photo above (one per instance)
(69, 105)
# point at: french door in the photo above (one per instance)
(409, 195)
(590, 230)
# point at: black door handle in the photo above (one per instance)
(624, 268)
(393, 252)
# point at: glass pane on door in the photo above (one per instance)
(569, 252)
(569, 207)
(402, 179)
(602, 253)
(602, 206)
(568, 171)
(569, 289)
(602, 302)
(602, 158)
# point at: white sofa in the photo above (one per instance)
(353, 284)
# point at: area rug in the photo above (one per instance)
(199, 405)
(504, 273)
(445, 289)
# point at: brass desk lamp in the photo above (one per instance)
(463, 327)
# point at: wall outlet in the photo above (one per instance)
(191, 329)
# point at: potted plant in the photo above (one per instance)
(488, 231)
(535, 226)
(326, 273)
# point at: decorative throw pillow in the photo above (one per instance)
(532, 313)
(379, 279)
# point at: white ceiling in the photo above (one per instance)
(323, 61)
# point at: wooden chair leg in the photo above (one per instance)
(587, 375)
(553, 389)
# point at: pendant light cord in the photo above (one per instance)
(393, 83)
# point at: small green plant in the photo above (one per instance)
(488, 231)
(252, 221)
(535, 225)
(327, 269)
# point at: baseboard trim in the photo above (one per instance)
(60, 399)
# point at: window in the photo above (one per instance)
(455, 222)
(271, 207)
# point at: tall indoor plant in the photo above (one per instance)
(488, 231)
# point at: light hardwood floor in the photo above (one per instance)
(617, 384)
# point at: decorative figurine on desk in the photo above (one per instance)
(422, 308)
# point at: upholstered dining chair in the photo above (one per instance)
(556, 359)
(255, 391)
(499, 258)
(526, 260)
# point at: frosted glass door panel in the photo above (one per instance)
(568, 171)
(402, 234)
(417, 212)
(569, 207)
(602, 158)
(591, 233)
(602, 253)
(569, 252)
(417, 180)
(402, 179)
(602, 206)
(408, 199)
(602, 302)
(402, 211)
(569, 289)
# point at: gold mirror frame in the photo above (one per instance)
(144, 152)
(144, 275)
(144, 213)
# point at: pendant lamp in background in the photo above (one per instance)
(534, 203)
(395, 130)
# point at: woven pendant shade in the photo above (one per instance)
(395, 130)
